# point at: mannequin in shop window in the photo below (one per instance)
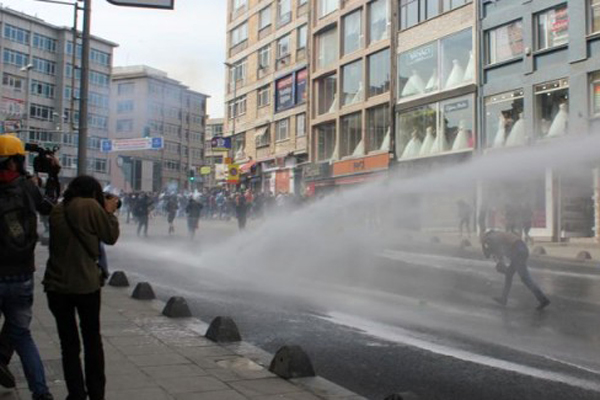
(413, 147)
(517, 136)
(559, 123)
(428, 142)
(461, 141)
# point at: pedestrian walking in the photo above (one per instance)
(73, 280)
(20, 198)
(143, 208)
(464, 217)
(241, 210)
(194, 211)
(526, 218)
(171, 208)
(506, 245)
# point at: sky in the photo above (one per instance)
(188, 43)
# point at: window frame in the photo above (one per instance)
(279, 137)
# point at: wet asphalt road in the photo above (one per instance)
(413, 322)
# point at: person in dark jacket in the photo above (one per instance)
(241, 210)
(172, 208)
(501, 245)
(193, 211)
(143, 208)
(73, 280)
(20, 198)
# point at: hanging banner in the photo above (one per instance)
(162, 4)
(233, 173)
(285, 93)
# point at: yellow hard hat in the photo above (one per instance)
(10, 145)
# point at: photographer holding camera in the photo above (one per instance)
(20, 198)
(73, 280)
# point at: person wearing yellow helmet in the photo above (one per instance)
(20, 200)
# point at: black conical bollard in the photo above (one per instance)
(177, 307)
(291, 362)
(584, 255)
(118, 279)
(539, 251)
(223, 330)
(402, 396)
(143, 291)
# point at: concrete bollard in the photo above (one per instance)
(402, 396)
(143, 291)
(291, 362)
(435, 239)
(223, 330)
(118, 279)
(177, 307)
(584, 255)
(539, 251)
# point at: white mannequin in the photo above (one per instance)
(333, 105)
(470, 70)
(433, 83)
(385, 145)
(456, 77)
(414, 85)
(517, 137)
(559, 124)
(501, 132)
(427, 143)
(440, 144)
(413, 147)
(360, 149)
(461, 141)
(358, 96)
(336, 151)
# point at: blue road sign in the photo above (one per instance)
(157, 143)
(106, 145)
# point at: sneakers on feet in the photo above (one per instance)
(46, 396)
(500, 301)
(6, 377)
(543, 305)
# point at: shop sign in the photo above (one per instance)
(285, 93)
(206, 170)
(456, 106)
(359, 165)
(220, 143)
(421, 54)
(315, 171)
(233, 173)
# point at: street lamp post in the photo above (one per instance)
(85, 82)
(27, 68)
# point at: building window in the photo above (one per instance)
(125, 106)
(45, 113)
(378, 128)
(327, 94)
(352, 32)
(300, 125)
(99, 79)
(422, 71)
(302, 37)
(238, 73)
(237, 4)
(595, 92)
(325, 141)
(326, 7)
(282, 130)
(239, 34)
(44, 66)
(264, 96)
(44, 43)
(283, 47)
(15, 34)
(504, 43)
(264, 58)
(352, 85)
(239, 144)
(263, 137)
(237, 107)
(413, 12)
(552, 28)
(452, 4)
(327, 48)
(42, 89)
(378, 20)
(12, 81)
(264, 18)
(351, 135)
(284, 12)
(594, 16)
(125, 88)
(99, 57)
(502, 112)
(124, 125)
(552, 108)
(409, 13)
(379, 73)
(15, 58)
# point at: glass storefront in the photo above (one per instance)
(503, 113)
(378, 128)
(441, 65)
(552, 108)
(436, 128)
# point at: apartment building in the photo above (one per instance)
(147, 103)
(40, 89)
(267, 82)
(351, 70)
(214, 157)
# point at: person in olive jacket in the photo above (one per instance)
(72, 281)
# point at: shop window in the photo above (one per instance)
(378, 128)
(595, 92)
(552, 28)
(327, 94)
(352, 32)
(504, 125)
(378, 20)
(325, 141)
(594, 16)
(352, 85)
(418, 71)
(504, 43)
(379, 73)
(351, 143)
(327, 48)
(457, 123)
(552, 108)
(458, 62)
(417, 133)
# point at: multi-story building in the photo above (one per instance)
(267, 79)
(351, 94)
(147, 103)
(540, 80)
(40, 89)
(213, 157)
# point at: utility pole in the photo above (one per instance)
(85, 82)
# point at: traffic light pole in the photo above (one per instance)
(85, 83)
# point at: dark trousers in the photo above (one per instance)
(241, 221)
(64, 307)
(6, 348)
(143, 223)
(518, 264)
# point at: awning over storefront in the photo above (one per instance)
(246, 168)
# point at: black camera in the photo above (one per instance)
(109, 196)
(42, 163)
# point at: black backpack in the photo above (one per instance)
(18, 223)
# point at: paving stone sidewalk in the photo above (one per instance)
(152, 357)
